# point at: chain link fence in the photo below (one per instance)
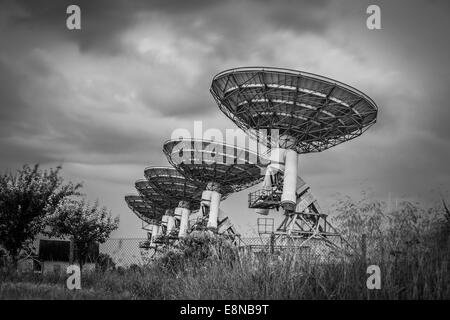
(330, 250)
(126, 252)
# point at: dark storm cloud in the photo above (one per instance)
(11, 102)
(35, 126)
(103, 21)
(16, 112)
(236, 24)
(309, 15)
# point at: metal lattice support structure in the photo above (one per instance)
(304, 229)
(301, 227)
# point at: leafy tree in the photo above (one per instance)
(85, 224)
(26, 197)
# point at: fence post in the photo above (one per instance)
(272, 243)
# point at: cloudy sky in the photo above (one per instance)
(101, 100)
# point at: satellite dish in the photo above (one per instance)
(303, 113)
(311, 112)
(293, 113)
(182, 194)
(219, 168)
(150, 213)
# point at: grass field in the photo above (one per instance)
(413, 255)
(246, 276)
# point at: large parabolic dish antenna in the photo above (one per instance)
(294, 112)
(221, 169)
(154, 196)
(204, 161)
(151, 195)
(145, 211)
(175, 188)
(311, 112)
(170, 183)
(148, 212)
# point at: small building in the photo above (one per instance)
(51, 254)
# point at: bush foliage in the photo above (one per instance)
(410, 244)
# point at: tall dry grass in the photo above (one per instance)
(411, 246)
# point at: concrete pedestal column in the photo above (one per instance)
(155, 232)
(184, 212)
(170, 224)
(168, 220)
(205, 202)
(214, 210)
(289, 198)
(210, 203)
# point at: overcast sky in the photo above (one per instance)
(103, 99)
